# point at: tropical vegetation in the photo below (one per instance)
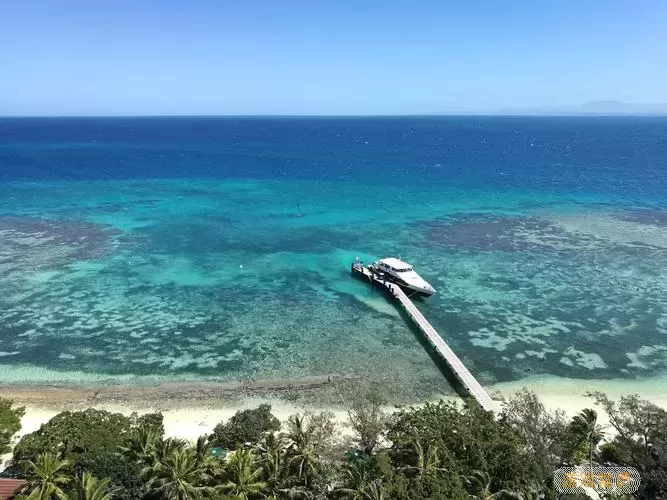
(10, 423)
(440, 450)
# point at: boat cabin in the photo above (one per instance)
(394, 265)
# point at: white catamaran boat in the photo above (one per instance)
(403, 275)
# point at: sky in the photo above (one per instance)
(334, 57)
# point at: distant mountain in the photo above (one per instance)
(593, 108)
(622, 108)
(600, 108)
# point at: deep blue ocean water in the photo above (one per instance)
(220, 247)
(614, 156)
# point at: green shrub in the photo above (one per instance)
(246, 426)
(124, 476)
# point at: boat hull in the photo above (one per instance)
(409, 289)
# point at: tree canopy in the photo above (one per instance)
(246, 426)
(77, 435)
(640, 440)
(368, 419)
(10, 423)
(460, 440)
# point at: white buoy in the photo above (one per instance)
(241, 266)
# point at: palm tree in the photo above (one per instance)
(428, 461)
(302, 450)
(140, 447)
(585, 425)
(525, 495)
(47, 475)
(165, 448)
(202, 448)
(358, 485)
(479, 482)
(375, 491)
(243, 475)
(271, 457)
(178, 476)
(88, 487)
(356, 480)
(213, 466)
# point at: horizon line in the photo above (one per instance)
(389, 115)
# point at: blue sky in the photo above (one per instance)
(72, 57)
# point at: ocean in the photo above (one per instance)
(135, 249)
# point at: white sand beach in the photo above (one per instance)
(569, 394)
(186, 423)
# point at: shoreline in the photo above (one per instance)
(554, 391)
(206, 393)
(193, 408)
(166, 394)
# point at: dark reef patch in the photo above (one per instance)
(649, 217)
(29, 244)
(485, 232)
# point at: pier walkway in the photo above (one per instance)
(462, 374)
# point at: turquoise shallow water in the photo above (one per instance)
(231, 278)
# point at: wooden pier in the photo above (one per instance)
(462, 374)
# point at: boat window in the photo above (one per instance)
(405, 270)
